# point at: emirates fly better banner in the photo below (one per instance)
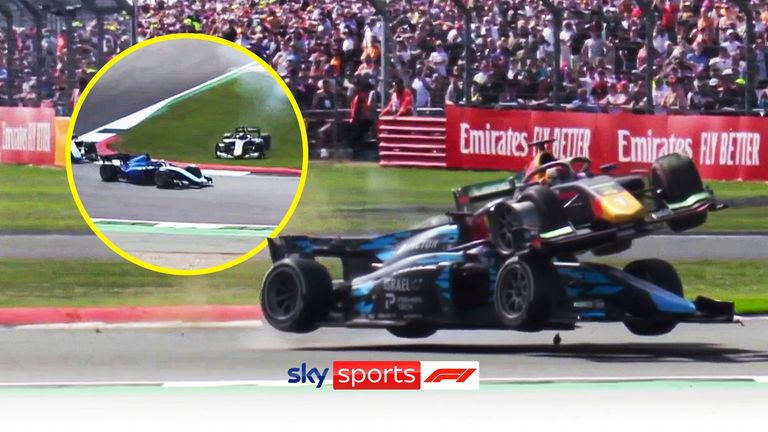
(27, 136)
(727, 148)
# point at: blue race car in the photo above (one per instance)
(505, 259)
(143, 170)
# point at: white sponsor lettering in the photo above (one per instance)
(648, 148)
(730, 148)
(32, 137)
(489, 141)
(402, 284)
(569, 142)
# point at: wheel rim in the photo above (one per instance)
(282, 294)
(506, 224)
(516, 290)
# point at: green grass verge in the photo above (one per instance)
(337, 198)
(109, 283)
(188, 129)
(36, 199)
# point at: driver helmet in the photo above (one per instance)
(543, 157)
(243, 136)
(553, 175)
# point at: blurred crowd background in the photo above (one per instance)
(329, 50)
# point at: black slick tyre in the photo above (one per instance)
(676, 176)
(523, 291)
(163, 180)
(109, 173)
(661, 274)
(550, 209)
(296, 295)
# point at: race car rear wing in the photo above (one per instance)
(248, 129)
(472, 197)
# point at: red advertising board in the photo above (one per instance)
(27, 136)
(723, 147)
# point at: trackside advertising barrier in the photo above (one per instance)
(724, 148)
(27, 136)
(60, 127)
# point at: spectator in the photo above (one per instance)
(361, 113)
(325, 100)
(512, 46)
(400, 100)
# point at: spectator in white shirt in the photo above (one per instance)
(439, 59)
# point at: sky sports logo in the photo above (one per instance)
(392, 375)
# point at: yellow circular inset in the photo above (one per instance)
(263, 243)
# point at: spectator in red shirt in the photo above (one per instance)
(669, 14)
(400, 101)
(361, 113)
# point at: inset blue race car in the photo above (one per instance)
(143, 170)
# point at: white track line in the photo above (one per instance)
(225, 173)
(200, 225)
(137, 117)
(522, 380)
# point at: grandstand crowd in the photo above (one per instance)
(52, 88)
(328, 51)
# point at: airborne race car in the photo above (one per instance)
(506, 259)
(245, 143)
(143, 170)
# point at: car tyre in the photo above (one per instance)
(163, 179)
(663, 275)
(195, 171)
(550, 209)
(296, 295)
(109, 173)
(676, 176)
(523, 290)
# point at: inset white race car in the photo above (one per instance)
(245, 143)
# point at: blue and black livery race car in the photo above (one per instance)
(141, 169)
(505, 259)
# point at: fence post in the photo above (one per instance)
(466, 12)
(99, 38)
(39, 65)
(650, 25)
(749, 88)
(69, 68)
(381, 8)
(5, 11)
(557, 24)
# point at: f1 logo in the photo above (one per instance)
(450, 375)
(459, 375)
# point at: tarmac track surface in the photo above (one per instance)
(687, 247)
(152, 74)
(251, 199)
(260, 353)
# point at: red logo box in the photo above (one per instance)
(376, 375)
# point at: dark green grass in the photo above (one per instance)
(110, 283)
(189, 129)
